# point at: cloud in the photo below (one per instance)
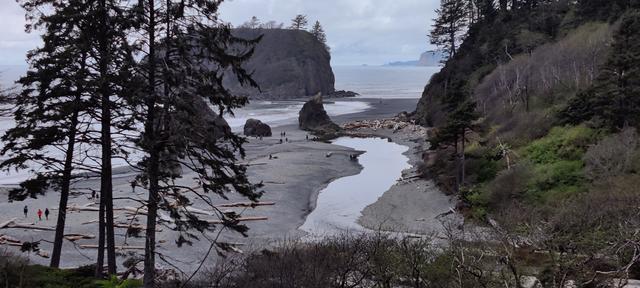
(14, 41)
(358, 31)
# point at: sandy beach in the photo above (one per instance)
(297, 172)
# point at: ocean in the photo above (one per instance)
(371, 82)
(377, 82)
(386, 82)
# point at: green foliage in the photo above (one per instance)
(604, 9)
(114, 282)
(558, 168)
(19, 274)
(318, 32)
(477, 198)
(614, 100)
(562, 143)
(556, 181)
(449, 25)
(487, 169)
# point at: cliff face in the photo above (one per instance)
(286, 64)
(430, 58)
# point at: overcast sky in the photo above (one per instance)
(358, 31)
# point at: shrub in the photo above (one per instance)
(114, 282)
(509, 185)
(611, 156)
(344, 261)
(16, 271)
(562, 143)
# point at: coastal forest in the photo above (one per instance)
(530, 128)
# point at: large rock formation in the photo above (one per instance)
(286, 64)
(313, 117)
(255, 127)
(431, 58)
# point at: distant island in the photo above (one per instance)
(429, 58)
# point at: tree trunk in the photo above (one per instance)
(152, 166)
(100, 260)
(64, 189)
(105, 180)
(457, 160)
(452, 37)
(462, 159)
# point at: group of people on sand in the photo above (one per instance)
(40, 213)
(283, 135)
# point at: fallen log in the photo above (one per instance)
(246, 204)
(241, 219)
(118, 247)
(7, 238)
(5, 224)
(11, 244)
(134, 226)
(87, 208)
(96, 220)
(75, 237)
(12, 224)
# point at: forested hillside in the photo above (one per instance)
(535, 119)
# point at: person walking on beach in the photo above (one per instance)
(40, 214)
(25, 210)
(46, 213)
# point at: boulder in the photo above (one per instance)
(255, 127)
(342, 94)
(313, 117)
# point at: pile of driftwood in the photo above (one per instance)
(395, 124)
(131, 214)
(11, 241)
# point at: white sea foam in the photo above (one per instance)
(278, 113)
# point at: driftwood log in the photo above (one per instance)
(241, 219)
(13, 224)
(75, 236)
(118, 247)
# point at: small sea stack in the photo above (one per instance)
(314, 118)
(256, 128)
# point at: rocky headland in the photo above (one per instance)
(286, 64)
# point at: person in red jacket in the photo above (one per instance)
(40, 214)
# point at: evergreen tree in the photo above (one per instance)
(60, 132)
(114, 67)
(450, 25)
(70, 74)
(47, 114)
(181, 77)
(614, 99)
(253, 23)
(319, 34)
(461, 115)
(299, 22)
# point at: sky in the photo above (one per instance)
(359, 32)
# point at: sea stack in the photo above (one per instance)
(256, 128)
(314, 118)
